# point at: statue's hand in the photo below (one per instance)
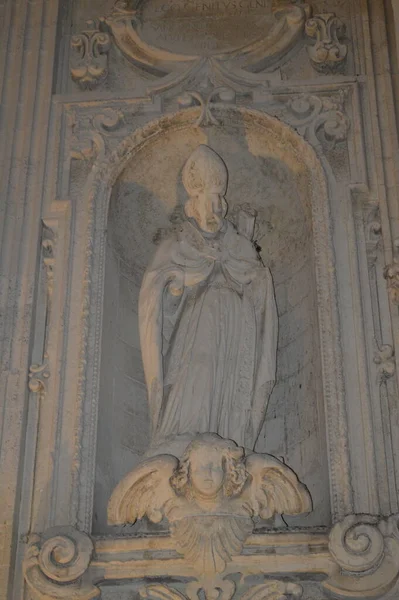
(175, 288)
(176, 284)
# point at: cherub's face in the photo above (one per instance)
(206, 471)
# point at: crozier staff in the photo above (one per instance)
(208, 319)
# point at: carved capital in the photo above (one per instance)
(328, 54)
(366, 548)
(56, 564)
(89, 56)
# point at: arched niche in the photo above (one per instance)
(137, 196)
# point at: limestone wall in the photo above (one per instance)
(96, 122)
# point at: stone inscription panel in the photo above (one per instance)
(204, 26)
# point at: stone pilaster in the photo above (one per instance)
(26, 73)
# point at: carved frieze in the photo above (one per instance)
(328, 53)
(150, 36)
(321, 117)
(361, 560)
(89, 56)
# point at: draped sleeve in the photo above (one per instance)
(262, 291)
(161, 272)
(259, 341)
(179, 264)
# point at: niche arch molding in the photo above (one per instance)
(87, 283)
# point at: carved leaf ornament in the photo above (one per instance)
(89, 58)
(272, 590)
(328, 54)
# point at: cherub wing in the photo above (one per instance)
(274, 488)
(144, 491)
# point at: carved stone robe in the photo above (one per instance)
(209, 349)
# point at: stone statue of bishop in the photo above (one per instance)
(208, 319)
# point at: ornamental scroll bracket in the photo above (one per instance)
(321, 119)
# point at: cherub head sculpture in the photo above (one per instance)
(209, 497)
(205, 180)
(210, 468)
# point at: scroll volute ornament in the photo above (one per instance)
(56, 565)
(209, 497)
(366, 548)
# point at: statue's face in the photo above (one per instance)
(209, 210)
(206, 471)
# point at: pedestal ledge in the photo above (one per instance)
(360, 559)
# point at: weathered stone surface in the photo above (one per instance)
(297, 98)
(142, 203)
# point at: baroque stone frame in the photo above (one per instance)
(339, 557)
(103, 144)
(90, 263)
(370, 198)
